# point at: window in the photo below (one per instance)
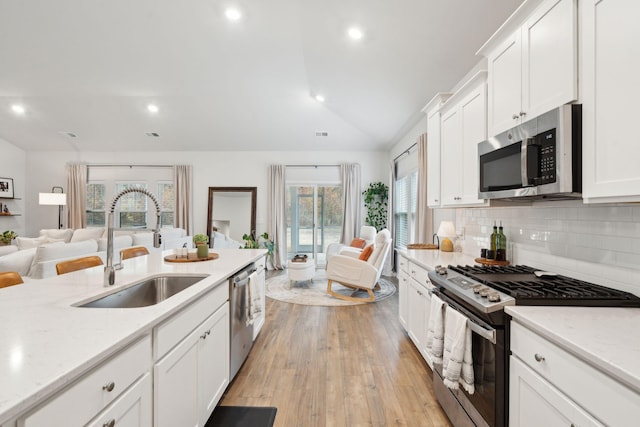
(166, 199)
(95, 204)
(406, 195)
(132, 207)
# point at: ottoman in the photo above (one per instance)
(298, 271)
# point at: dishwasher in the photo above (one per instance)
(241, 334)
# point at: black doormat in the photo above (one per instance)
(242, 416)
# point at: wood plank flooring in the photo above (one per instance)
(337, 366)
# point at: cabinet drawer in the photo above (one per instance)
(403, 264)
(605, 398)
(418, 273)
(132, 408)
(172, 331)
(83, 400)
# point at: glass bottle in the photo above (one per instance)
(494, 241)
(501, 245)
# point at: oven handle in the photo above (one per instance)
(476, 325)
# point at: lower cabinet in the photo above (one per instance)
(190, 379)
(258, 321)
(131, 409)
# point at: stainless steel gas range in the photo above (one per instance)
(481, 293)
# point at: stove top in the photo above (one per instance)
(523, 285)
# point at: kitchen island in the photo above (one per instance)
(47, 342)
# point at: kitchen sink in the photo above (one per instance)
(151, 291)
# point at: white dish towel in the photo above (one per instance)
(435, 330)
(253, 298)
(457, 363)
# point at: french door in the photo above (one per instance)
(314, 219)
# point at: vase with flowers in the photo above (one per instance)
(201, 240)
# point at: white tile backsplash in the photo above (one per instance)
(595, 243)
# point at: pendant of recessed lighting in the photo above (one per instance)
(233, 14)
(355, 33)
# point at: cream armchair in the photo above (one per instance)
(358, 274)
(367, 232)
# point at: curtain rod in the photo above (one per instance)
(312, 166)
(405, 152)
(106, 165)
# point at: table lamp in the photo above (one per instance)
(54, 198)
(446, 234)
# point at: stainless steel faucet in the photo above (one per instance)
(109, 269)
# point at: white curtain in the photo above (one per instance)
(423, 232)
(76, 195)
(391, 225)
(182, 184)
(276, 214)
(350, 177)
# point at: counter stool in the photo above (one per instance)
(299, 271)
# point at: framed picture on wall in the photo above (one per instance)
(6, 188)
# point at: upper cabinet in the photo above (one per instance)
(463, 125)
(610, 90)
(432, 110)
(533, 67)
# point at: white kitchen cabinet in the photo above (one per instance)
(550, 386)
(104, 384)
(610, 90)
(419, 307)
(258, 321)
(463, 126)
(432, 110)
(131, 409)
(403, 290)
(190, 379)
(534, 68)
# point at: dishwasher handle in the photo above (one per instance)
(242, 278)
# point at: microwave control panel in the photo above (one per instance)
(546, 146)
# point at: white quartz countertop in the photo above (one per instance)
(607, 338)
(429, 259)
(46, 342)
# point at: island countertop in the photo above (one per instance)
(46, 342)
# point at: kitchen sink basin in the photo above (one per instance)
(148, 292)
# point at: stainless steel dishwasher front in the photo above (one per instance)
(241, 335)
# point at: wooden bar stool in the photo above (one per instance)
(10, 278)
(78, 264)
(133, 252)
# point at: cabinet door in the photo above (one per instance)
(533, 402)
(473, 115)
(418, 314)
(176, 385)
(213, 361)
(451, 174)
(261, 279)
(433, 158)
(549, 58)
(131, 409)
(403, 298)
(505, 85)
(611, 54)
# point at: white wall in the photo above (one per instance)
(210, 169)
(13, 166)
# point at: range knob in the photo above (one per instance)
(484, 292)
(494, 297)
(477, 288)
(442, 271)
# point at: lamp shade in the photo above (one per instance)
(57, 199)
(446, 229)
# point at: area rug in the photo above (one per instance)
(315, 293)
(242, 416)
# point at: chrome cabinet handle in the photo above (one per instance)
(538, 357)
(110, 423)
(522, 114)
(109, 386)
(204, 336)
(515, 117)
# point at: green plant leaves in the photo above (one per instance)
(376, 201)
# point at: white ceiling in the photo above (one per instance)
(91, 67)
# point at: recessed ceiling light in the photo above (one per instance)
(152, 108)
(18, 109)
(355, 33)
(319, 98)
(233, 14)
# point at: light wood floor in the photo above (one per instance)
(337, 366)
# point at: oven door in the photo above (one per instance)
(486, 406)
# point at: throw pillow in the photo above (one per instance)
(366, 253)
(82, 234)
(29, 242)
(358, 243)
(54, 233)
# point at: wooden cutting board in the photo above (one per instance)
(192, 257)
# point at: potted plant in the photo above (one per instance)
(252, 243)
(7, 237)
(375, 200)
(201, 240)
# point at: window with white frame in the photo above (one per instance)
(405, 197)
(132, 212)
(96, 204)
(166, 199)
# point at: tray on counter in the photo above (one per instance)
(191, 257)
(485, 261)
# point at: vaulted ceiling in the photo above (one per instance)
(91, 68)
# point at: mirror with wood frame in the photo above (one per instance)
(232, 212)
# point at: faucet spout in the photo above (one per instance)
(110, 269)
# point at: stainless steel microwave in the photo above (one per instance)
(539, 158)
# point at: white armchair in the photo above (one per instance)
(367, 232)
(358, 274)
